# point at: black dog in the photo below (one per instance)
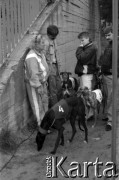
(69, 85)
(56, 116)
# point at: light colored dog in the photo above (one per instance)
(92, 100)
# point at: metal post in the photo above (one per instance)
(114, 73)
(0, 34)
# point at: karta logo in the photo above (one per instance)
(55, 168)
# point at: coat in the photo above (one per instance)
(86, 55)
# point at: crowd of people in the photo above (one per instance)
(43, 68)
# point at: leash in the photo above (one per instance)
(13, 155)
(52, 123)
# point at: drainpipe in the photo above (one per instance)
(0, 33)
(115, 137)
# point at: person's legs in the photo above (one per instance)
(108, 112)
(52, 86)
(45, 98)
(59, 87)
(34, 102)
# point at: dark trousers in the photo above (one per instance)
(55, 90)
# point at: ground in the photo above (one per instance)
(28, 164)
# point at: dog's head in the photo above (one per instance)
(83, 91)
(89, 96)
(66, 84)
(86, 94)
(65, 76)
(40, 138)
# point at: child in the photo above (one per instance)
(54, 61)
(86, 55)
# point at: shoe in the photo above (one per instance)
(108, 127)
(105, 119)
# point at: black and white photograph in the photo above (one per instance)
(59, 89)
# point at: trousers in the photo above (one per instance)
(54, 86)
(108, 109)
(38, 102)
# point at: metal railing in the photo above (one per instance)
(16, 16)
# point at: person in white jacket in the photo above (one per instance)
(36, 75)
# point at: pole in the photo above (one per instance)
(114, 73)
(0, 35)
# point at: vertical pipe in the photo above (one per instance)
(1, 58)
(114, 72)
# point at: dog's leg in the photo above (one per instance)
(62, 140)
(96, 113)
(95, 109)
(72, 122)
(60, 132)
(79, 124)
(95, 118)
(83, 122)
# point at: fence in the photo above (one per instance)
(16, 16)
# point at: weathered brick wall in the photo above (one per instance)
(71, 17)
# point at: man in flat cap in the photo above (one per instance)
(106, 68)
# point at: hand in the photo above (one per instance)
(40, 89)
(85, 70)
(81, 45)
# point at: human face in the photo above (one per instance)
(51, 37)
(84, 41)
(43, 45)
(109, 36)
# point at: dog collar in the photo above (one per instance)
(42, 131)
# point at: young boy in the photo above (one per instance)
(54, 62)
(86, 55)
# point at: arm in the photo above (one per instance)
(78, 52)
(34, 72)
(87, 54)
(106, 58)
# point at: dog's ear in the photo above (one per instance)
(79, 91)
(69, 73)
(61, 73)
(85, 88)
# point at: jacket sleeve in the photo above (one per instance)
(34, 72)
(106, 58)
(79, 67)
(86, 55)
(78, 52)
